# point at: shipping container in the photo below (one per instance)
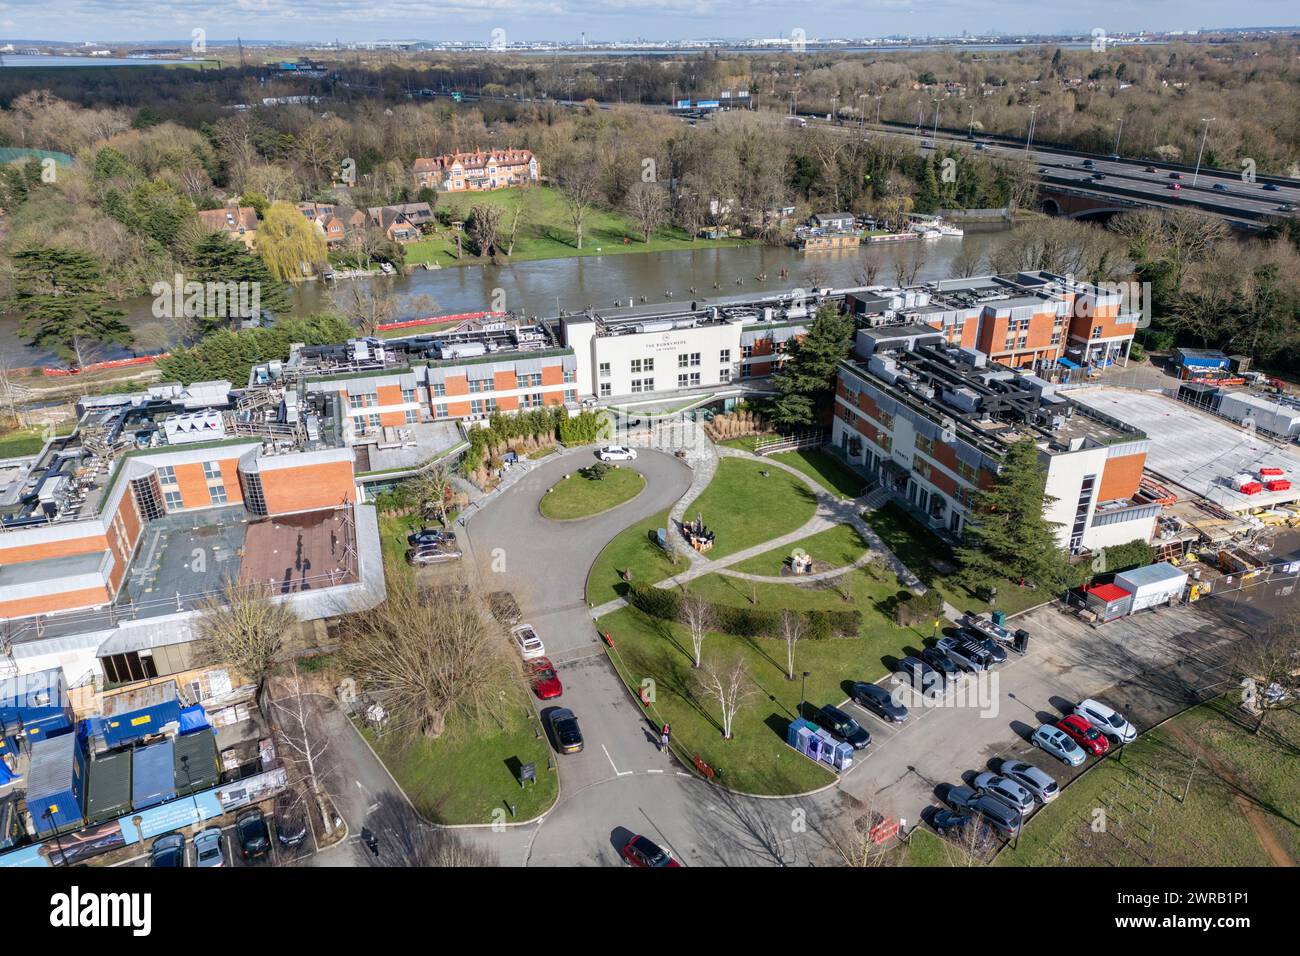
(56, 779)
(1266, 416)
(153, 775)
(1108, 601)
(35, 704)
(136, 714)
(195, 766)
(1152, 585)
(108, 787)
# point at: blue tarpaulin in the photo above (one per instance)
(193, 719)
(1067, 363)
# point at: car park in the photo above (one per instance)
(254, 837)
(564, 726)
(1106, 719)
(1036, 781)
(1085, 734)
(617, 453)
(1059, 744)
(842, 726)
(290, 819)
(941, 662)
(644, 852)
(430, 536)
(207, 848)
(543, 679)
(993, 651)
(1006, 790)
(526, 639)
(168, 851)
(923, 678)
(879, 701)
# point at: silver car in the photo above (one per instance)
(1006, 790)
(1036, 781)
(1059, 744)
(1106, 719)
(207, 848)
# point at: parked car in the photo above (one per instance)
(1006, 790)
(1106, 719)
(1059, 744)
(941, 662)
(642, 851)
(505, 608)
(616, 453)
(841, 726)
(967, 654)
(1085, 734)
(879, 701)
(254, 837)
(1002, 817)
(947, 821)
(207, 848)
(430, 536)
(290, 818)
(1036, 781)
(545, 682)
(923, 678)
(168, 851)
(526, 639)
(431, 554)
(568, 735)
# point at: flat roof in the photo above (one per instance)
(1196, 450)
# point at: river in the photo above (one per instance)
(543, 287)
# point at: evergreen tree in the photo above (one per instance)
(1008, 535)
(218, 258)
(806, 383)
(60, 295)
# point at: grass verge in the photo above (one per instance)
(578, 497)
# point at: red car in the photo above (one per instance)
(546, 683)
(641, 851)
(1085, 735)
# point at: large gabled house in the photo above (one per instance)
(238, 222)
(479, 170)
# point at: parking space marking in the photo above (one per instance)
(617, 772)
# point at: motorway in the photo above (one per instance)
(1150, 666)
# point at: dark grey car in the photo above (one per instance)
(879, 701)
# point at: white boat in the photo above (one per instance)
(933, 227)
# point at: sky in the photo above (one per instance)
(350, 20)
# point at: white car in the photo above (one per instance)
(1107, 720)
(530, 645)
(1006, 790)
(616, 453)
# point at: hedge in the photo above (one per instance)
(744, 621)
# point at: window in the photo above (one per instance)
(412, 416)
(372, 421)
(129, 667)
(172, 499)
(363, 400)
(530, 380)
(636, 366)
(440, 411)
(254, 496)
(570, 376)
(747, 351)
(147, 497)
(408, 396)
(1096, 332)
(604, 370)
(211, 470)
(724, 356)
(724, 375)
(636, 385)
(167, 475)
(570, 394)
(217, 494)
(476, 407)
(477, 385)
(604, 389)
(687, 359)
(439, 390)
(687, 379)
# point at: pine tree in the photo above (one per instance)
(806, 382)
(217, 258)
(1008, 535)
(60, 295)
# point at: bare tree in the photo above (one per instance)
(244, 627)
(432, 488)
(697, 615)
(577, 179)
(366, 305)
(485, 228)
(424, 661)
(730, 685)
(1269, 663)
(300, 738)
(647, 203)
(970, 845)
(792, 628)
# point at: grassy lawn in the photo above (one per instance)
(392, 540)
(748, 443)
(465, 776)
(28, 441)
(744, 509)
(915, 546)
(632, 550)
(825, 469)
(578, 497)
(546, 232)
(838, 546)
(1147, 824)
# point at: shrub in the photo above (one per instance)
(910, 609)
(743, 621)
(1134, 554)
(819, 626)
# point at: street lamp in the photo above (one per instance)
(1118, 133)
(935, 134)
(970, 129)
(1029, 137)
(1200, 152)
(803, 683)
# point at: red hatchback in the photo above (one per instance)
(640, 851)
(546, 683)
(1085, 735)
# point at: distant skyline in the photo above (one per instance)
(110, 21)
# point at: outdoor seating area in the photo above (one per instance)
(698, 534)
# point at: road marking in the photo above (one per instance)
(654, 771)
(617, 772)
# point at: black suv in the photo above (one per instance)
(841, 725)
(941, 662)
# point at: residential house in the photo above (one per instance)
(479, 170)
(397, 223)
(239, 222)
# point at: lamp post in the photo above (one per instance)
(1029, 136)
(1118, 133)
(970, 129)
(1201, 152)
(934, 137)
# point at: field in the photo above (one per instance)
(546, 231)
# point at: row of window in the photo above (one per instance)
(480, 385)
